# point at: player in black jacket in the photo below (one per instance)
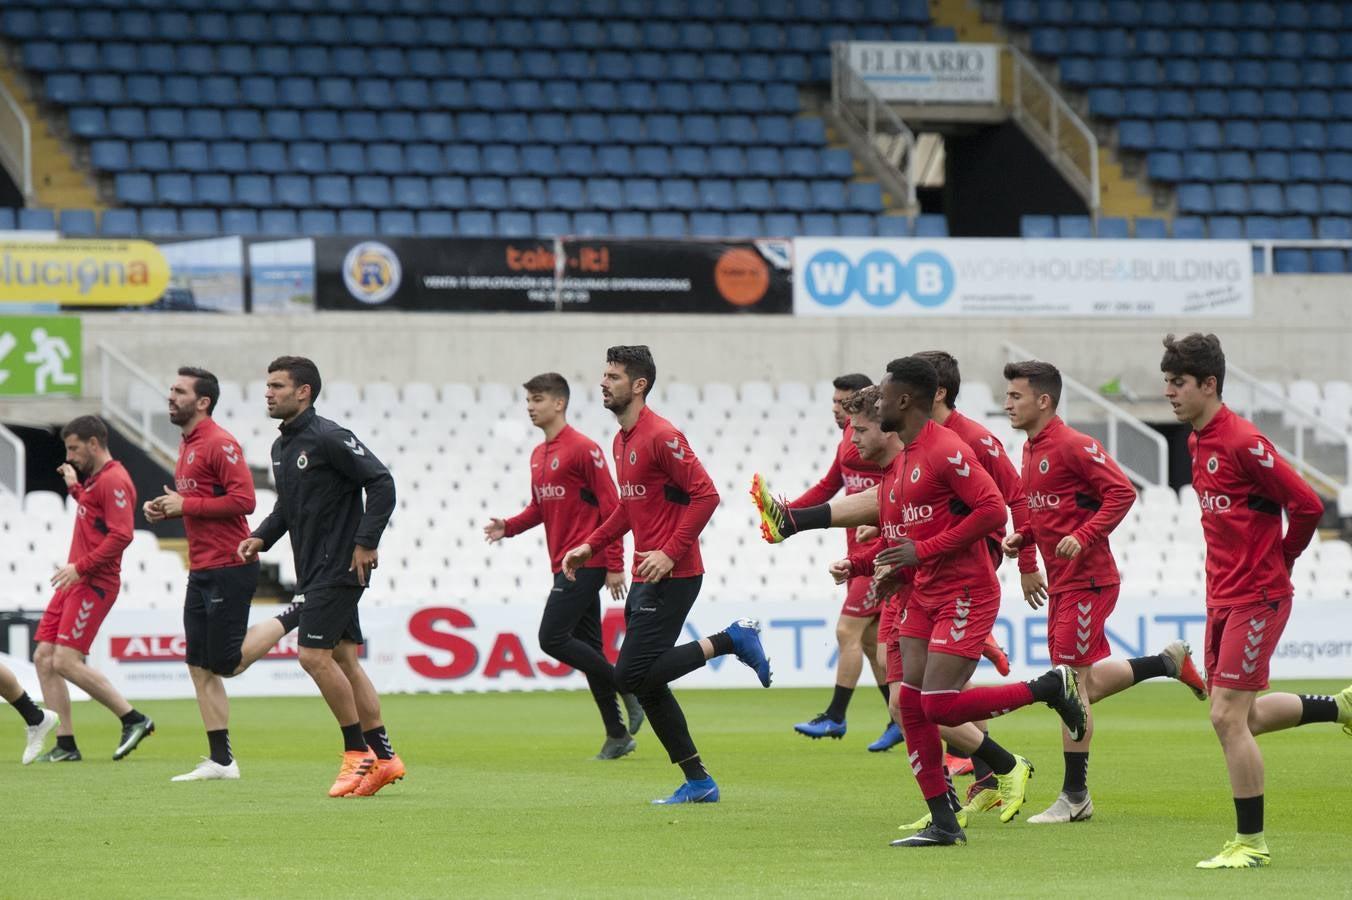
(321, 470)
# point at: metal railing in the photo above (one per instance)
(16, 143)
(1319, 451)
(13, 463)
(1140, 451)
(1045, 116)
(138, 402)
(888, 140)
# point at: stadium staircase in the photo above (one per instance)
(57, 182)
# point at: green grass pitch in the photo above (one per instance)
(502, 799)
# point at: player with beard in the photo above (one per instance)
(87, 587)
(213, 492)
(666, 499)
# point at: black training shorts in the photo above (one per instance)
(329, 615)
(216, 615)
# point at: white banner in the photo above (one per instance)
(1016, 277)
(929, 73)
(493, 646)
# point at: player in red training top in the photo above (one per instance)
(947, 506)
(1076, 495)
(891, 589)
(86, 588)
(1243, 486)
(572, 493)
(857, 626)
(666, 499)
(213, 492)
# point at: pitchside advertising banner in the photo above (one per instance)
(554, 274)
(929, 73)
(999, 277)
(487, 647)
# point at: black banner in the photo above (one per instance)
(573, 274)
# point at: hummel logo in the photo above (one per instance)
(957, 633)
(1082, 634)
(1083, 648)
(1252, 654)
(315, 637)
(1085, 607)
(1084, 621)
(673, 444)
(231, 454)
(1096, 454)
(991, 447)
(1257, 625)
(1247, 667)
(356, 448)
(597, 459)
(119, 498)
(1264, 458)
(957, 461)
(1255, 639)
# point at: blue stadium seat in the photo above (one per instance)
(567, 194)
(1303, 198)
(931, 225)
(278, 223)
(552, 223)
(754, 194)
(356, 221)
(36, 220)
(1288, 260)
(629, 224)
(1133, 134)
(211, 189)
(667, 225)
(1266, 198)
(592, 224)
(296, 190)
(119, 223)
(1295, 228)
(1037, 226)
(78, 223)
(1336, 228)
(199, 222)
(1271, 165)
(856, 224)
(134, 189)
(150, 156)
(1261, 228)
(604, 193)
(828, 196)
(1113, 228)
(1166, 165)
(1151, 228)
(1223, 228)
(1195, 198)
(708, 224)
(1232, 165)
(374, 191)
(527, 193)
(1189, 227)
(159, 222)
(253, 190)
(318, 221)
(1329, 261)
(1337, 198)
(396, 223)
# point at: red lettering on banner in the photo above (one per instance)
(507, 654)
(422, 626)
(149, 648)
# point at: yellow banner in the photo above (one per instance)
(82, 273)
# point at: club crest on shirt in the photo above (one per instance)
(554, 464)
(915, 475)
(892, 495)
(302, 461)
(1043, 466)
(633, 457)
(192, 455)
(1212, 465)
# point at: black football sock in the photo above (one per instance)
(219, 742)
(1156, 666)
(1076, 778)
(887, 698)
(942, 813)
(693, 769)
(808, 518)
(352, 739)
(25, 706)
(67, 742)
(132, 718)
(379, 742)
(1249, 815)
(1000, 760)
(722, 642)
(840, 701)
(1317, 709)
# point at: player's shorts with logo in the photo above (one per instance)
(74, 615)
(858, 600)
(1075, 625)
(216, 615)
(329, 615)
(955, 623)
(1240, 641)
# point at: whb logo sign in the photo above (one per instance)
(1013, 277)
(39, 355)
(880, 278)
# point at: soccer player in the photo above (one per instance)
(857, 626)
(1076, 496)
(666, 499)
(213, 492)
(1243, 487)
(86, 588)
(322, 471)
(891, 591)
(38, 722)
(947, 506)
(572, 493)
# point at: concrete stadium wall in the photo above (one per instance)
(1302, 328)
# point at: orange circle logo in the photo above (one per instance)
(742, 277)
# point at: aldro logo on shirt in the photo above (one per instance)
(630, 491)
(856, 483)
(911, 513)
(1038, 500)
(1213, 503)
